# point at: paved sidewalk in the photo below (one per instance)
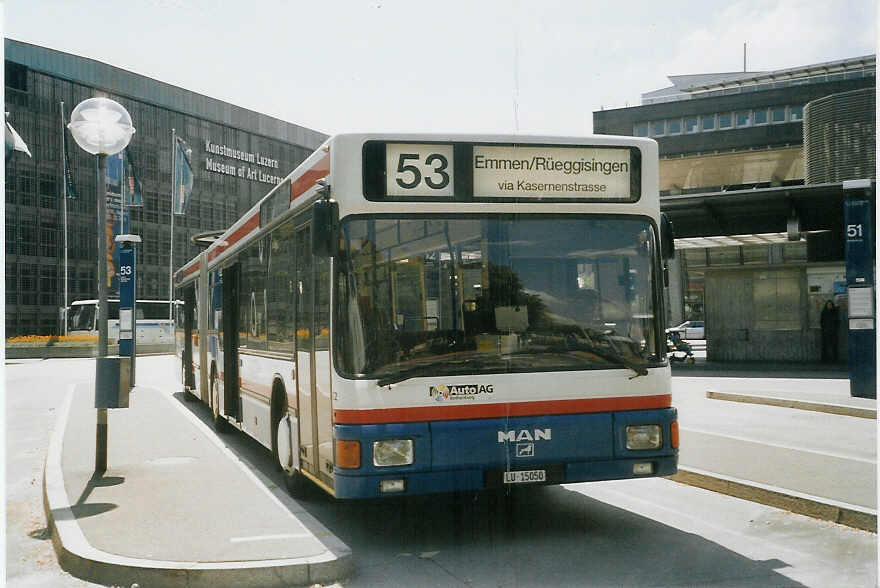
(175, 507)
(152, 519)
(799, 443)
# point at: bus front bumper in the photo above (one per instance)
(469, 480)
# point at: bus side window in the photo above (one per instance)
(195, 318)
(279, 290)
(252, 302)
(303, 290)
(216, 318)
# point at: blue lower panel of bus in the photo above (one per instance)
(451, 456)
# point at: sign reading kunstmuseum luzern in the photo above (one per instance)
(462, 171)
(560, 172)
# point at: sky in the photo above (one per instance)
(478, 66)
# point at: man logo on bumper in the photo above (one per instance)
(524, 435)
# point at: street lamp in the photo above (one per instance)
(101, 127)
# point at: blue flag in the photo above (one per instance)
(69, 187)
(183, 176)
(131, 189)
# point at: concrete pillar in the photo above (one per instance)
(675, 292)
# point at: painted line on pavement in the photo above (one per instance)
(336, 549)
(242, 464)
(269, 537)
(78, 557)
(782, 446)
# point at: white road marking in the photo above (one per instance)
(269, 537)
(782, 446)
(238, 461)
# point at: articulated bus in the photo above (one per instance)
(410, 314)
(153, 325)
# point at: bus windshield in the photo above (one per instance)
(506, 293)
(82, 317)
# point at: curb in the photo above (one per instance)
(78, 351)
(79, 558)
(811, 506)
(839, 409)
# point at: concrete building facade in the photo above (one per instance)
(760, 248)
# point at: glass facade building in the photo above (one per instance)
(237, 156)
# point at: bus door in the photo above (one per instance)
(189, 303)
(230, 319)
(321, 360)
(305, 353)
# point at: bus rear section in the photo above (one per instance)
(154, 327)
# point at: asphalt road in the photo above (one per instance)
(645, 532)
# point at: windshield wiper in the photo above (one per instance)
(427, 369)
(612, 354)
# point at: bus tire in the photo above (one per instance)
(220, 423)
(278, 409)
(188, 396)
(297, 484)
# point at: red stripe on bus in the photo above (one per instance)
(301, 185)
(504, 409)
(187, 271)
(240, 233)
(297, 188)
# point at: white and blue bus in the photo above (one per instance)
(409, 314)
(154, 327)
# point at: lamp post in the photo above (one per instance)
(102, 127)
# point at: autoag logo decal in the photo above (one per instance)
(459, 391)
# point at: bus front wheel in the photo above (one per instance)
(296, 483)
(220, 424)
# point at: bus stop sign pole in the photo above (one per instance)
(858, 215)
(128, 301)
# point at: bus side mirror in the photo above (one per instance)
(325, 228)
(667, 237)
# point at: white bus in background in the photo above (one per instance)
(153, 325)
(409, 314)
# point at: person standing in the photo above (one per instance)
(829, 321)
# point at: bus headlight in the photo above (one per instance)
(392, 452)
(643, 437)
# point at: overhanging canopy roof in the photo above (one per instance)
(764, 210)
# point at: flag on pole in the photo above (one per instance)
(69, 187)
(14, 142)
(114, 222)
(131, 190)
(113, 175)
(183, 177)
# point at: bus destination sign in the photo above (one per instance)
(560, 172)
(462, 171)
(418, 169)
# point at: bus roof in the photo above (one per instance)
(300, 187)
